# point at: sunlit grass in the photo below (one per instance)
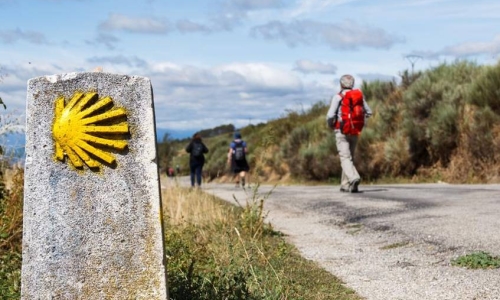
(11, 206)
(217, 250)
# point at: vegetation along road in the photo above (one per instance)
(391, 241)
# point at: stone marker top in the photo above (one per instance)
(120, 91)
(92, 212)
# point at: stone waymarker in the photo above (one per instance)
(92, 211)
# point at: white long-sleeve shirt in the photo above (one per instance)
(334, 110)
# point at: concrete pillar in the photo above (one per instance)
(92, 210)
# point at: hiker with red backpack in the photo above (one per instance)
(236, 157)
(196, 149)
(346, 116)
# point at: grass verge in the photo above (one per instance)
(11, 206)
(215, 251)
(220, 251)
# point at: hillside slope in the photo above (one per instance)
(439, 125)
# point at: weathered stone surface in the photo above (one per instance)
(88, 233)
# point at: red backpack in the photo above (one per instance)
(352, 113)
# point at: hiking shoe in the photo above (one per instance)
(353, 186)
(344, 189)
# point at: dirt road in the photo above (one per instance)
(390, 241)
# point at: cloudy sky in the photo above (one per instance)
(216, 62)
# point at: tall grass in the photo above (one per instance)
(220, 251)
(11, 206)
(214, 250)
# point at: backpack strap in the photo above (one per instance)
(338, 107)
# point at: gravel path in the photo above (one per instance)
(390, 241)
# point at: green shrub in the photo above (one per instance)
(480, 142)
(10, 275)
(216, 159)
(431, 112)
(442, 132)
(291, 148)
(397, 156)
(378, 91)
(477, 260)
(485, 91)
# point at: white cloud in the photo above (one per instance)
(474, 48)
(187, 26)
(135, 25)
(425, 2)
(309, 6)
(232, 93)
(230, 14)
(118, 60)
(246, 5)
(244, 95)
(348, 35)
(173, 76)
(466, 49)
(105, 39)
(261, 77)
(368, 77)
(190, 97)
(13, 36)
(307, 67)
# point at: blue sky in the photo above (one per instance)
(237, 61)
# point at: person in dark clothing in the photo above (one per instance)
(196, 149)
(236, 157)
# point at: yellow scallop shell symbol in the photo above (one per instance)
(88, 129)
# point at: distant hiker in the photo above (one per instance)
(346, 116)
(170, 172)
(236, 157)
(196, 149)
(177, 170)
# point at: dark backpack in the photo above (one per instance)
(197, 150)
(352, 113)
(239, 151)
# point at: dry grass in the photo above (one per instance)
(220, 251)
(11, 220)
(191, 206)
(11, 208)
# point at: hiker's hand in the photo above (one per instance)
(331, 123)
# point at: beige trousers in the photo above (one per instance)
(346, 144)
